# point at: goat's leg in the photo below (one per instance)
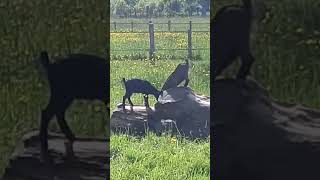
(186, 82)
(146, 101)
(62, 121)
(217, 72)
(247, 61)
(46, 116)
(130, 102)
(124, 102)
(221, 62)
(65, 128)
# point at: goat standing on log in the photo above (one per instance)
(78, 76)
(137, 86)
(181, 73)
(231, 38)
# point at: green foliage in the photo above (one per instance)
(156, 8)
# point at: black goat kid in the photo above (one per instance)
(137, 86)
(231, 38)
(77, 76)
(181, 73)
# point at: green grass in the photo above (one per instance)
(159, 158)
(169, 45)
(287, 56)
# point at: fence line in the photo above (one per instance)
(143, 32)
(131, 27)
(152, 46)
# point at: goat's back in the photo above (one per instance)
(178, 75)
(140, 86)
(231, 30)
(80, 76)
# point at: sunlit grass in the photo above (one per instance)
(155, 157)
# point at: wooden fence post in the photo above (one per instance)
(151, 36)
(190, 40)
(132, 26)
(115, 25)
(169, 25)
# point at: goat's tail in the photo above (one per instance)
(44, 59)
(124, 81)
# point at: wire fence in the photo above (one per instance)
(165, 39)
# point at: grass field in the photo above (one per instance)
(159, 158)
(155, 157)
(128, 45)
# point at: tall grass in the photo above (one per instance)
(286, 49)
(26, 28)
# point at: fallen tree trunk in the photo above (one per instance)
(91, 160)
(256, 137)
(134, 123)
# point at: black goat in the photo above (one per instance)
(77, 76)
(137, 86)
(181, 73)
(230, 35)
